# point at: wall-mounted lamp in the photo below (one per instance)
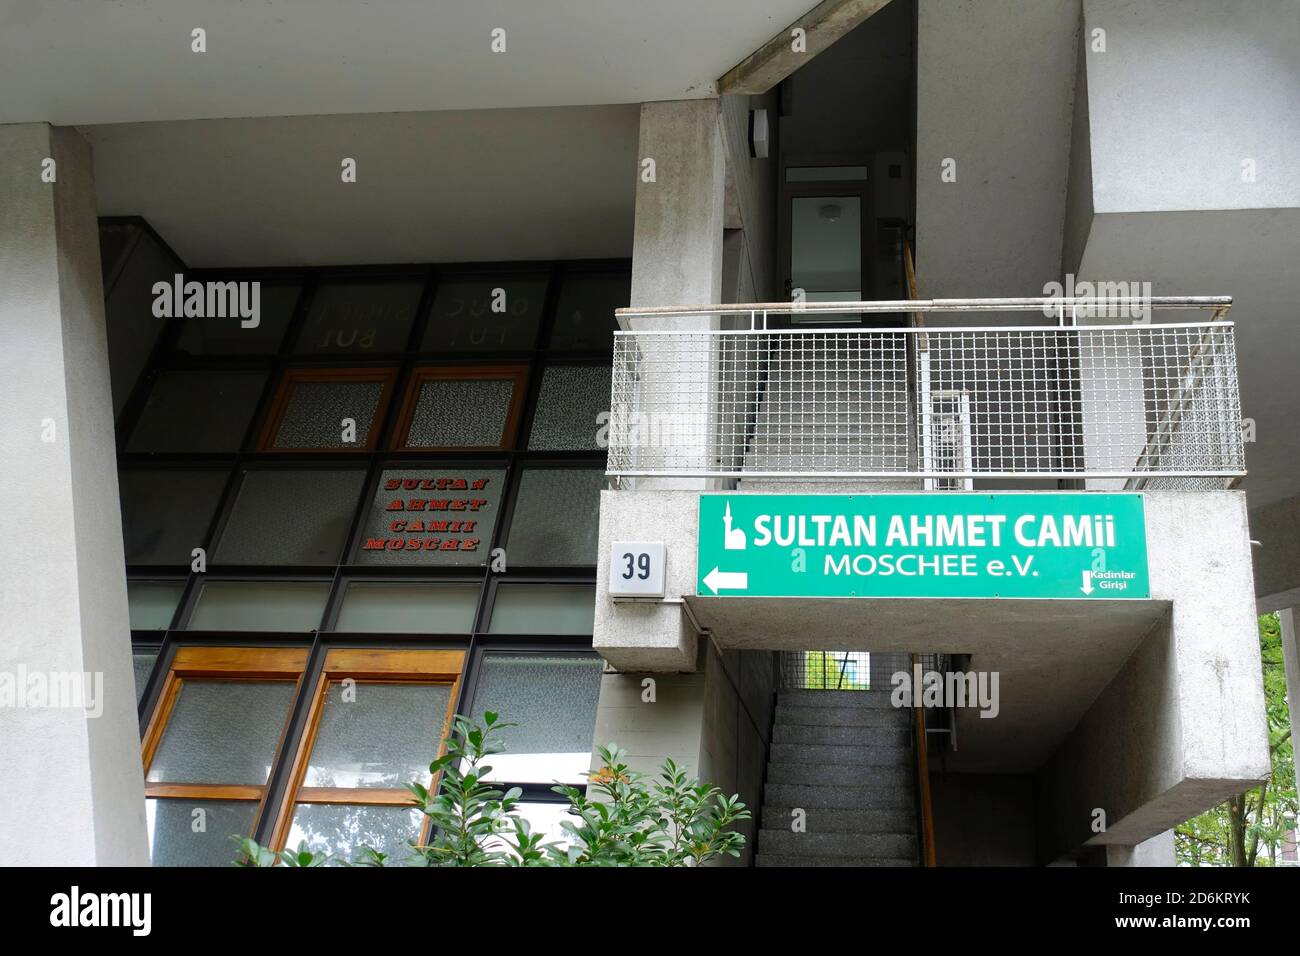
(759, 135)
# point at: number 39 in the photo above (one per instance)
(641, 567)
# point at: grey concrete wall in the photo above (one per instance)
(1078, 194)
(716, 722)
(751, 197)
(1182, 725)
(74, 791)
(983, 819)
(1185, 91)
(1277, 558)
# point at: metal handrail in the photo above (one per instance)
(1219, 304)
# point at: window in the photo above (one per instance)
(556, 518)
(166, 513)
(463, 407)
(475, 391)
(328, 408)
(500, 314)
(570, 408)
(290, 517)
(259, 606)
(408, 607)
(419, 516)
(223, 336)
(552, 698)
(198, 412)
(151, 604)
(210, 747)
(584, 318)
(377, 720)
(543, 609)
(360, 316)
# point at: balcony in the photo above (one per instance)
(942, 399)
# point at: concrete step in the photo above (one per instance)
(830, 820)
(815, 774)
(835, 755)
(877, 735)
(834, 698)
(810, 844)
(797, 715)
(779, 859)
(883, 795)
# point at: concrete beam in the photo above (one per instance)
(777, 58)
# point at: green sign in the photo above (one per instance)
(934, 545)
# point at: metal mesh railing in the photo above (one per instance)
(1155, 405)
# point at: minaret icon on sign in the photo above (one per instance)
(733, 539)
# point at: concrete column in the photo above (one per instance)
(74, 792)
(1291, 664)
(677, 260)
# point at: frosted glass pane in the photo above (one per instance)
(316, 410)
(174, 842)
(360, 317)
(568, 410)
(553, 699)
(340, 830)
(142, 663)
(543, 609)
(461, 413)
(378, 735)
(584, 318)
(166, 514)
(543, 818)
(250, 606)
(463, 318)
(197, 412)
(290, 517)
(556, 518)
(222, 731)
(152, 603)
(435, 518)
(409, 608)
(228, 336)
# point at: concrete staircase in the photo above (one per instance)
(844, 757)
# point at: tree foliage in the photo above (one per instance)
(623, 819)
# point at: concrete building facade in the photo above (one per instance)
(1008, 283)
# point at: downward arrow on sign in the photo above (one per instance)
(1087, 582)
(717, 580)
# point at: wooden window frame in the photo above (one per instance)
(518, 374)
(375, 666)
(293, 377)
(243, 664)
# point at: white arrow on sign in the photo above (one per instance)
(1086, 588)
(717, 580)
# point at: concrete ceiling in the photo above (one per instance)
(430, 187)
(1053, 657)
(115, 61)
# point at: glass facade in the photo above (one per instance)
(390, 473)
